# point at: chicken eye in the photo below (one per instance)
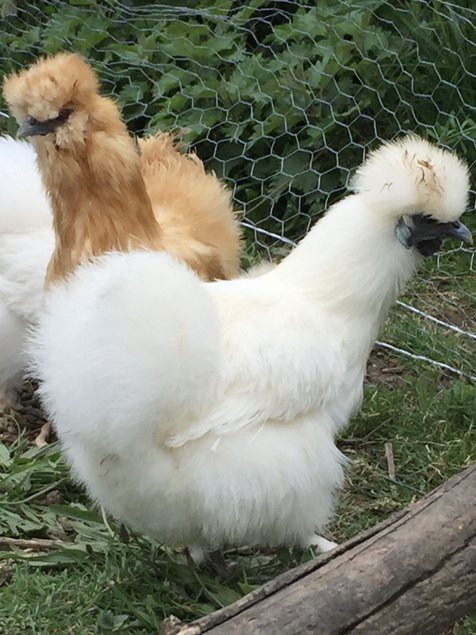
(63, 115)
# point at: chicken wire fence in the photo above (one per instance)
(283, 100)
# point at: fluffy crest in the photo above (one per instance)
(50, 85)
(410, 176)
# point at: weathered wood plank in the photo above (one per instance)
(413, 574)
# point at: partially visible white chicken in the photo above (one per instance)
(205, 414)
(26, 245)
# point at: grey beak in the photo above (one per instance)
(426, 234)
(33, 128)
(460, 232)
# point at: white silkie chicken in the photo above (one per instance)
(26, 244)
(206, 413)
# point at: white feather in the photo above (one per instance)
(26, 244)
(206, 413)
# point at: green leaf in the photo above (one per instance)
(4, 455)
(110, 622)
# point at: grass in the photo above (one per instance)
(101, 581)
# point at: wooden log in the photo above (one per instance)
(414, 574)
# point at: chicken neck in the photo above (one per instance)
(351, 264)
(98, 198)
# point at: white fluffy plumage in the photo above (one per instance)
(205, 414)
(26, 244)
(27, 239)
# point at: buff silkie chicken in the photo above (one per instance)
(206, 414)
(192, 207)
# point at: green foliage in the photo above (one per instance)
(280, 99)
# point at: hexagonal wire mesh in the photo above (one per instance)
(282, 100)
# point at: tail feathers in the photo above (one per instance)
(160, 153)
(193, 208)
(411, 175)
